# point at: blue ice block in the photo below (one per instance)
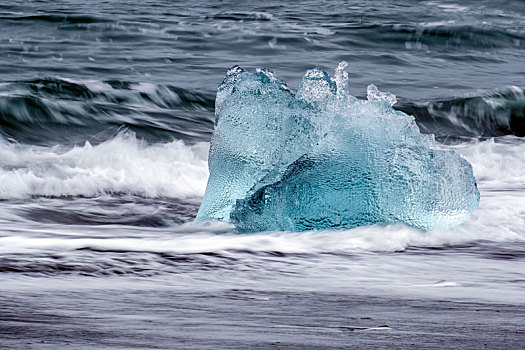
(323, 159)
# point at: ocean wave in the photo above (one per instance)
(123, 164)
(453, 35)
(487, 114)
(437, 36)
(56, 18)
(219, 240)
(498, 163)
(243, 16)
(52, 110)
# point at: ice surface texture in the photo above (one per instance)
(323, 159)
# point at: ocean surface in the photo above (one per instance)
(106, 112)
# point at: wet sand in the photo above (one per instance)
(249, 319)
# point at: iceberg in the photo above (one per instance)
(320, 158)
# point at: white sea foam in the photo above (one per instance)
(123, 164)
(498, 164)
(500, 218)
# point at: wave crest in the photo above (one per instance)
(48, 110)
(123, 164)
(494, 113)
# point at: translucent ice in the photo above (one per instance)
(321, 158)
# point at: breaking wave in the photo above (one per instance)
(124, 164)
(51, 110)
(489, 114)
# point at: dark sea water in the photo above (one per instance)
(106, 112)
